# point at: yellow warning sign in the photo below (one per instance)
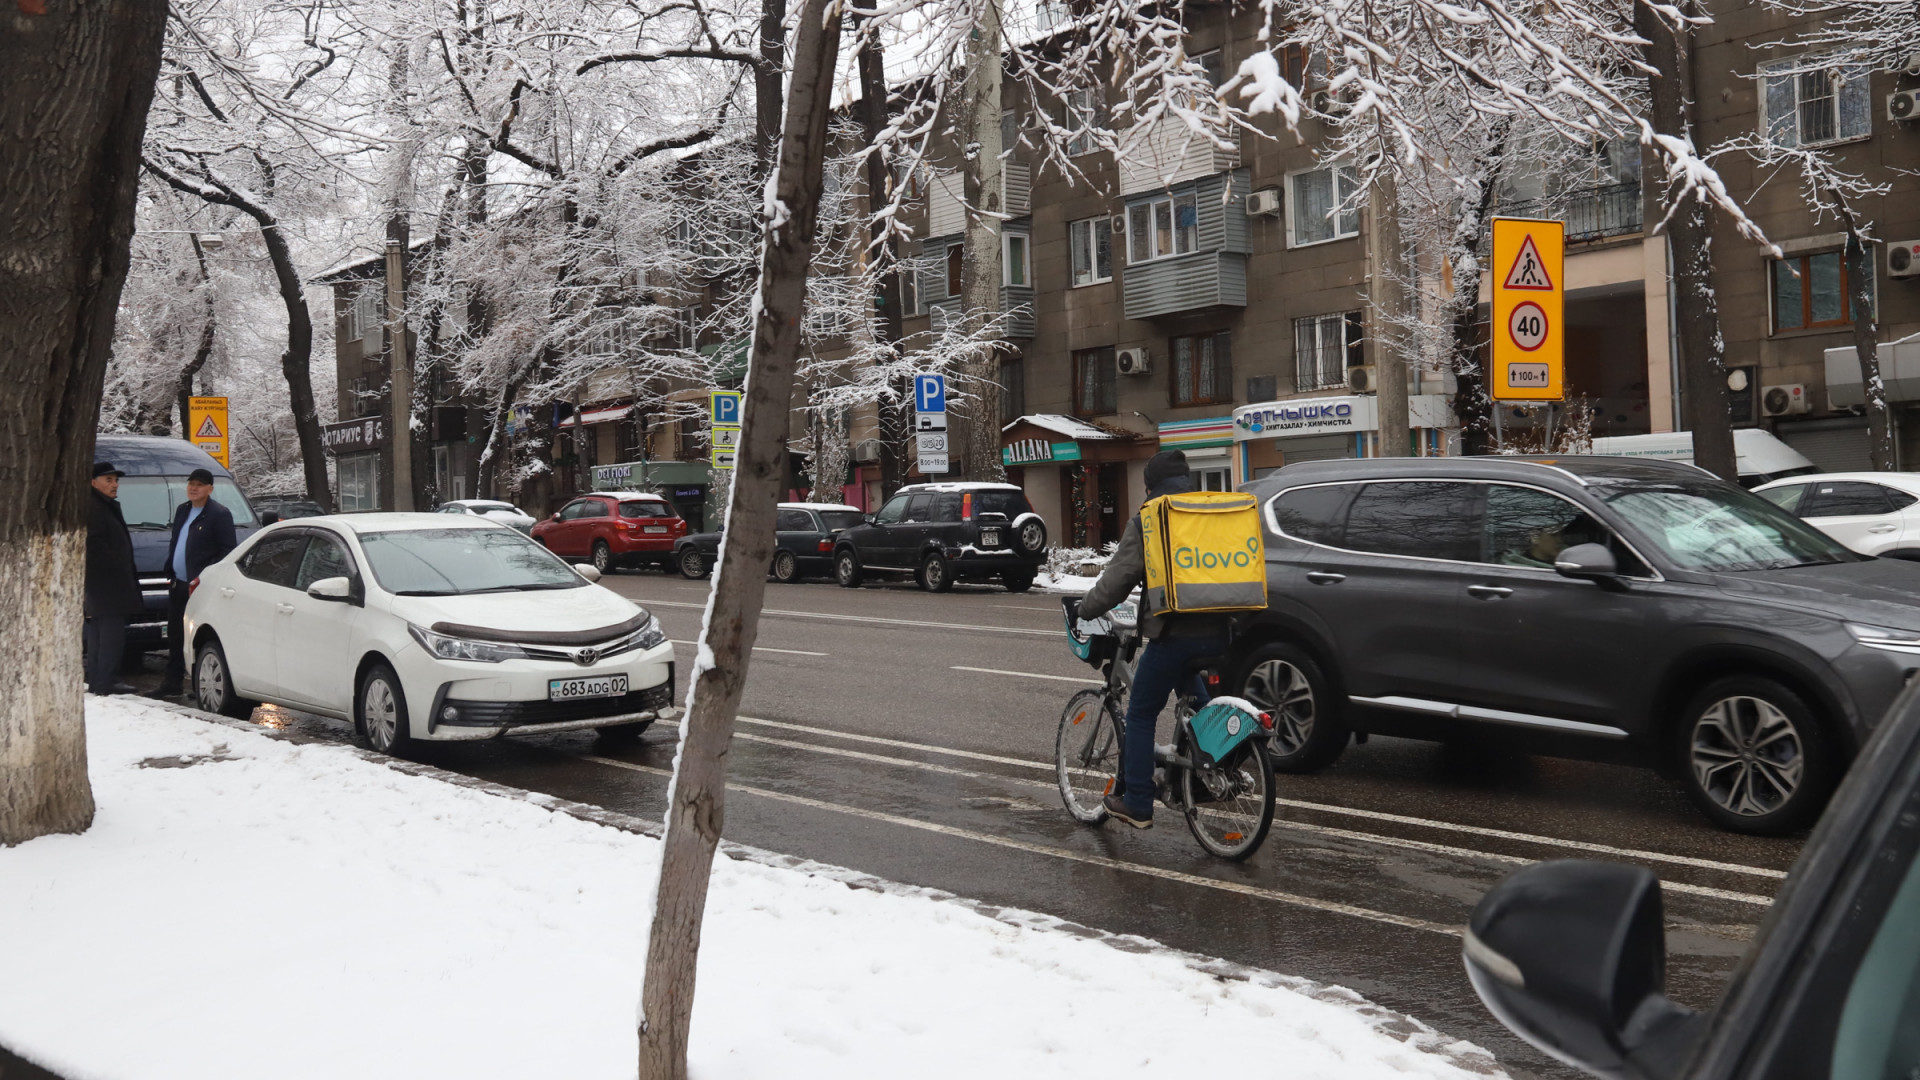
(1529, 350)
(207, 420)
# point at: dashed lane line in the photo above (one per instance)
(922, 624)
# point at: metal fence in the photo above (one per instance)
(1590, 213)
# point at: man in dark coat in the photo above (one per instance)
(202, 535)
(113, 586)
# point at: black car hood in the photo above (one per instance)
(1884, 592)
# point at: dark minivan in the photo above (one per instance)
(1602, 608)
(156, 482)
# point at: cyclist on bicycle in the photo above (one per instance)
(1170, 643)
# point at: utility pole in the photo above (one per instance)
(399, 369)
(980, 258)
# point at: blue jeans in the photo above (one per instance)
(1162, 665)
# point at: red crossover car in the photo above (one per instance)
(613, 529)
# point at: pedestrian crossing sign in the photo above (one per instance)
(207, 422)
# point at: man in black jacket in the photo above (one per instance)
(113, 586)
(1171, 641)
(202, 535)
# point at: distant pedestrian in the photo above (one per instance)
(202, 535)
(113, 586)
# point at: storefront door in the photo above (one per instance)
(1112, 479)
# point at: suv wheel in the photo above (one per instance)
(935, 574)
(692, 564)
(1031, 536)
(1283, 680)
(1017, 580)
(602, 557)
(1754, 757)
(846, 569)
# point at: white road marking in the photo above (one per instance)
(870, 619)
(1031, 675)
(760, 648)
(1294, 899)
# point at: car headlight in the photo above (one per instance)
(650, 634)
(453, 648)
(1884, 637)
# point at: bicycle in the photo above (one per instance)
(1227, 800)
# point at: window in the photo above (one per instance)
(594, 508)
(1715, 530)
(643, 508)
(1786, 498)
(895, 509)
(1429, 520)
(1530, 528)
(1324, 347)
(919, 510)
(685, 323)
(574, 510)
(1093, 376)
(1811, 291)
(946, 508)
(1214, 64)
(1009, 128)
(1806, 103)
(1013, 389)
(1015, 270)
(359, 476)
(1262, 388)
(276, 560)
(793, 521)
(1201, 369)
(909, 291)
(1316, 204)
(325, 558)
(1314, 514)
(1294, 67)
(450, 562)
(956, 258)
(1851, 499)
(1083, 114)
(1090, 242)
(363, 312)
(1163, 227)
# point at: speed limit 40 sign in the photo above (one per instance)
(1529, 352)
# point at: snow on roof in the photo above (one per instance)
(362, 266)
(1062, 425)
(818, 506)
(960, 485)
(630, 496)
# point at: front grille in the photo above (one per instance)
(514, 713)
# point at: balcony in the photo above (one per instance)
(1016, 300)
(947, 208)
(1590, 213)
(1170, 153)
(1191, 282)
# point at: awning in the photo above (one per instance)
(1899, 372)
(599, 416)
(1194, 434)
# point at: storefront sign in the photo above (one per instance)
(366, 433)
(1038, 452)
(1305, 416)
(612, 477)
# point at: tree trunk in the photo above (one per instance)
(769, 79)
(896, 425)
(1384, 281)
(1696, 308)
(296, 364)
(696, 801)
(980, 272)
(1867, 348)
(75, 82)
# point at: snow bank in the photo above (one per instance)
(247, 907)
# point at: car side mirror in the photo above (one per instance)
(1587, 561)
(337, 589)
(555, 516)
(269, 518)
(591, 573)
(1572, 956)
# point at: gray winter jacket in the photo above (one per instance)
(1127, 571)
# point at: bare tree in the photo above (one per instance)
(76, 79)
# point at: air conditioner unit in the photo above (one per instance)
(1903, 105)
(1264, 201)
(1133, 361)
(1912, 66)
(866, 451)
(1118, 223)
(1363, 379)
(1328, 103)
(1903, 258)
(1785, 399)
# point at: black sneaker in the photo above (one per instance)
(1117, 809)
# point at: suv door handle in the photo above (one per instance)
(1325, 577)
(226, 593)
(1488, 592)
(284, 609)
(1884, 529)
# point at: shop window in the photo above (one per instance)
(1811, 291)
(1163, 228)
(1324, 347)
(359, 479)
(1200, 369)
(1810, 103)
(1317, 206)
(1093, 382)
(1091, 244)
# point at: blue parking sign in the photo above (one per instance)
(726, 407)
(929, 393)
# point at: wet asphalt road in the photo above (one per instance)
(910, 736)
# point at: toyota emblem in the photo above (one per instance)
(586, 657)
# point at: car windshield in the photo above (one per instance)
(148, 502)
(1711, 528)
(642, 508)
(1010, 503)
(456, 562)
(835, 520)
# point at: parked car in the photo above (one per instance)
(156, 483)
(1572, 955)
(1874, 513)
(803, 542)
(1759, 455)
(286, 508)
(492, 509)
(1603, 608)
(423, 626)
(942, 533)
(614, 529)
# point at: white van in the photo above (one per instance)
(1758, 454)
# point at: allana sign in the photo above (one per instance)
(1305, 416)
(1038, 452)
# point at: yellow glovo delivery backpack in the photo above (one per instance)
(1204, 552)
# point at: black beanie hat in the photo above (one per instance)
(1166, 465)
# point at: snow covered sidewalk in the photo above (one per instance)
(248, 907)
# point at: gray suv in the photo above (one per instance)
(1602, 608)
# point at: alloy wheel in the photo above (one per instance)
(1282, 689)
(380, 713)
(602, 557)
(692, 565)
(1746, 755)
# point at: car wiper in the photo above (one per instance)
(427, 592)
(542, 586)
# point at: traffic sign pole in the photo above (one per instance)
(1529, 336)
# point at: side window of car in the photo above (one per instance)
(1426, 518)
(1900, 500)
(325, 558)
(1529, 527)
(1315, 514)
(595, 508)
(1845, 498)
(1786, 497)
(574, 509)
(895, 509)
(276, 559)
(794, 521)
(946, 508)
(920, 509)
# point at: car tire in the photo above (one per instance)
(622, 734)
(1017, 580)
(602, 557)
(1031, 536)
(1754, 756)
(693, 565)
(380, 711)
(1286, 682)
(213, 682)
(786, 567)
(846, 569)
(936, 575)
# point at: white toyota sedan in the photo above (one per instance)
(493, 509)
(423, 626)
(1874, 513)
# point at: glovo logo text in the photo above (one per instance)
(1190, 558)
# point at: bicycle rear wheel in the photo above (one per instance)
(1086, 754)
(1229, 807)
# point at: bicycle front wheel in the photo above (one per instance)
(1086, 754)
(1229, 806)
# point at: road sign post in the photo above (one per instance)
(723, 415)
(1529, 335)
(930, 423)
(207, 426)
